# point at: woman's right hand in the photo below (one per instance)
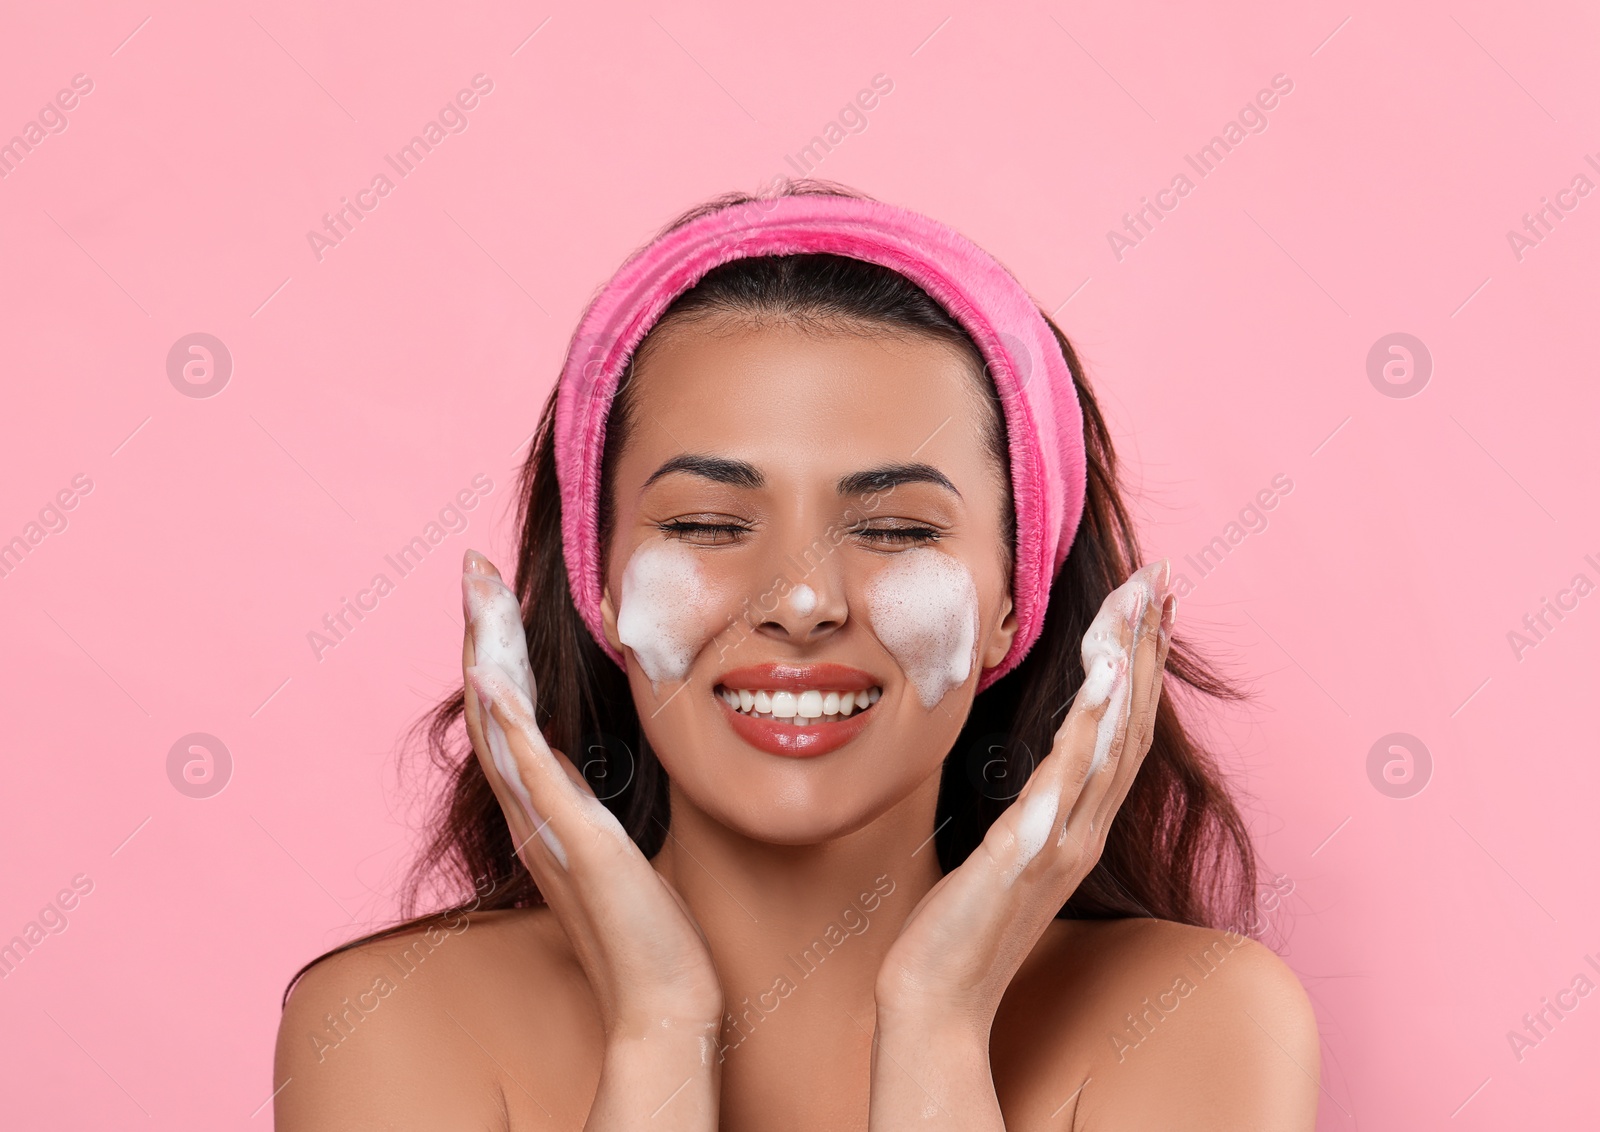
(647, 961)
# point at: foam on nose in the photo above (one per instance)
(923, 606)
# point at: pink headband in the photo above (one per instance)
(1043, 419)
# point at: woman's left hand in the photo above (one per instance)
(943, 978)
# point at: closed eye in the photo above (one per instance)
(678, 528)
(899, 534)
(734, 532)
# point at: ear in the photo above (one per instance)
(999, 642)
(608, 615)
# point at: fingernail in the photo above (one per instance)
(1169, 613)
(474, 563)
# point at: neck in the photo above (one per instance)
(801, 927)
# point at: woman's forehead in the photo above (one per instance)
(786, 392)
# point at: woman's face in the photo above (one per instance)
(800, 511)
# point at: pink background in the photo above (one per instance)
(369, 388)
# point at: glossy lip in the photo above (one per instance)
(796, 742)
(800, 677)
(785, 738)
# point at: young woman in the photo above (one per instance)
(819, 772)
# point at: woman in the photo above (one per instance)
(817, 473)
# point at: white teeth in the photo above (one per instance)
(800, 708)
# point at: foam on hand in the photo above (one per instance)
(662, 612)
(1106, 661)
(923, 606)
(1034, 826)
(497, 633)
(493, 684)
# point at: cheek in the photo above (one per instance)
(662, 615)
(923, 606)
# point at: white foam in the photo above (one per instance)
(497, 633)
(805, 599)
(1033, 827)
(662, 612)
(1106, 662)
(497, 684)
(923, 606)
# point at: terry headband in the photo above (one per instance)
(1044, 422)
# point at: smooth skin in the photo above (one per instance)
(952, 1002)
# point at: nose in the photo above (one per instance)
(806, 602)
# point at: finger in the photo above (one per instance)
(1118, 793)
(521, 776)
(1148, 680)
(1124, 748)
(474, 712)
(494, 618)
(1085, 737)
(495, 633)
(536, 777)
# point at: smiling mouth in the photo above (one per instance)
(798, 709)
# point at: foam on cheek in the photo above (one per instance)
(661, 614)
(924, 608)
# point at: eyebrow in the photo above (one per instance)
(743, 474)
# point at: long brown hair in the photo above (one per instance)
(1178, 849)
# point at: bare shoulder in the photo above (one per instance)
(1157, 1024)
(482, 1019)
